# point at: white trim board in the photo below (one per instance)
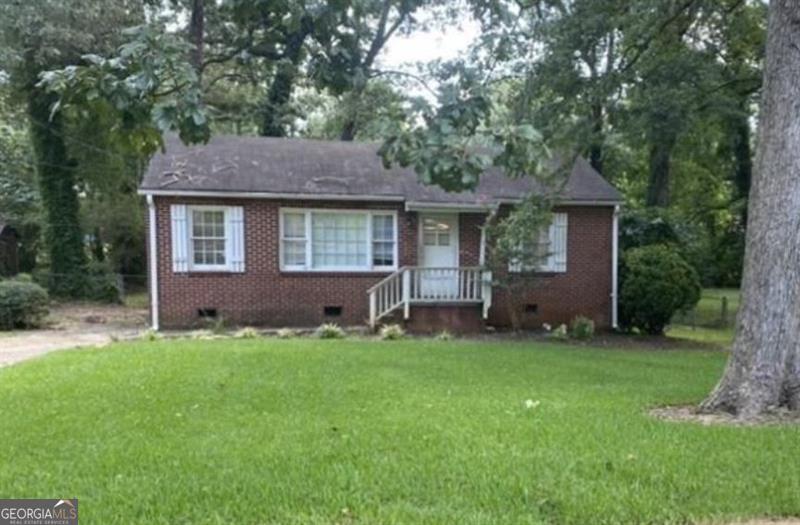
(270, 195)
(409, 205)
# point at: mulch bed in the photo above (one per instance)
(690, 414)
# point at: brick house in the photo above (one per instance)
(290, 232)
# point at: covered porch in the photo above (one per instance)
(416, 285)
(447, 269)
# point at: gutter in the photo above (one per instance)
(615, 268)
(151, 220)
(272, 195)
(448, 206)
(409, 205)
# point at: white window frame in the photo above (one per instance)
(307, 267)
(549, 264)
(194, 267)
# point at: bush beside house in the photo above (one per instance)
(23, 304)
(656, 282)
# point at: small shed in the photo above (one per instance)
(9, 257)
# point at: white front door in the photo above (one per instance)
(439, 276)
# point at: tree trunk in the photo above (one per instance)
(98, 250)
(658, 186)
(763, 372)
(348, 130)
(56, 177)
(596, 146)
(280, 92)
(196, 35)
(743, 163)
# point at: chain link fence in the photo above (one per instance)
(103, 287)
(714, 310)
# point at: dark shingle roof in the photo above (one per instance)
(238, 164)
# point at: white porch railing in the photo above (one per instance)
(415, 284)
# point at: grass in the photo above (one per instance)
(139, 300)
(356, 431)
(720, 337)
(705, 324)
(708, 312)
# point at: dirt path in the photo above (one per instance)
(71, 326)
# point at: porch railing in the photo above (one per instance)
(415, 284)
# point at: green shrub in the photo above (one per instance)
(392, 332)
(247, 333)
(581, 328)
(444, 335)
(639, 228)
(102, 284)
(201, 335)
(286, 333)
(150, 335)
(23, 278)
(330, 331)
(656, 282)
(22, 304)
(97, 283)
(560, 332)
(217, 325)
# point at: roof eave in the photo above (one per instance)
(409, 205)
(270, 195)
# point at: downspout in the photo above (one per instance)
(482, 253)
(151, 221)
(614, 268)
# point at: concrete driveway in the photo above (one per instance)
(71, 326)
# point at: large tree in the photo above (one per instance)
(345, 57)
(763, 372)
(35, 37)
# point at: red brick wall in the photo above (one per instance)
(263, 295)
(469, 238)
(584, 289)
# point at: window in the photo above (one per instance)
(382, 240)
(294, 239)
(337, 240)
(435, 233)
(207, 238)
(551, 245)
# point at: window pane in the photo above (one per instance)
(294, 253)
(294, 225)
(444, 239)
(383, 253)
(209, 251)
(208, 237)
(382, 228)
(383, 240)
(338, 240)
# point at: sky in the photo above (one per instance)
(431, 45)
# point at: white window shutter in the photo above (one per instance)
(235, 236)
(180, 238)
(558, 243)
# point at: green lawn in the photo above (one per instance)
(705, 323)
(709, 311)
(137, 300)
(720, 337)
(366, 432)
